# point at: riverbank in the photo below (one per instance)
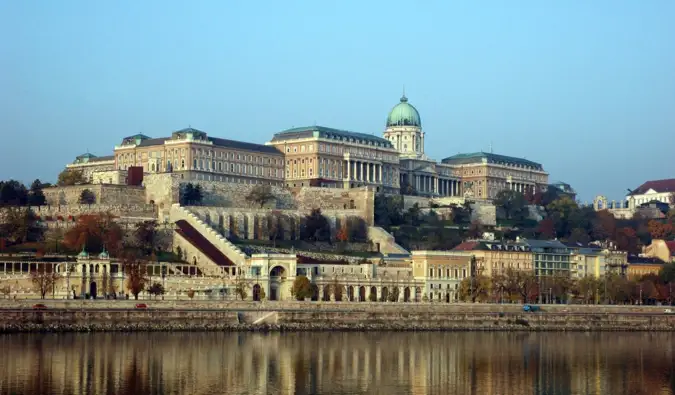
(94, 316)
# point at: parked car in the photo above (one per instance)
(141, 306)
(669, 311)
(39, 306)
(530, 308)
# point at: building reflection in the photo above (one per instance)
(338, 363)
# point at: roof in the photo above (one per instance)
(101, 158)
(545, 244)
(467, 246)
(404, 114)
(243, 145)
(660, 186)
(476, 157)
(149, 142)
(328, 133)
(137, 136)
(640, 260)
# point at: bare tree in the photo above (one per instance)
(261, 194)
(44, 279)
(136, 273)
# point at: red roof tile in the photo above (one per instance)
(657, 185)
(467, 246)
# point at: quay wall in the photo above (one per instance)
(19, 316)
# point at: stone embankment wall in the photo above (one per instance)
(105, 194)
(302, 316)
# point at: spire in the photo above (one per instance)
(403, 98)
(491, 148)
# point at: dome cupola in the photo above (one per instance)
(404, 114)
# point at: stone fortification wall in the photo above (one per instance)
(75, 210)
(328, 199)
(105, 194)
(486, 214)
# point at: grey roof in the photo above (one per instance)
(150, 142)
(328, 133)
(478, 157)
(545, 244)
(102, 158)
(244, 145)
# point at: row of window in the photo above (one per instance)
(339, 150)
(447, 273)
(198, 152)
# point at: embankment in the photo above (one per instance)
(79, 316)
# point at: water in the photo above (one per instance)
(338, 363)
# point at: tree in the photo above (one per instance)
(513, 203)
(136, 274)
(563, 211)
(87, 197)
(44, 279)
(241, 286)
(626, 240)
(146, 236)
(603, 225)
(316, 227)
(546, 228)
(388, 210)
(36, 196)
(261, 194)
(475, 230)
(587, 289)
(191, 293)
(660, 230)
(191, 194)
(579, 235)
(522, 284)
(302, 288)
(6, 290)
(156, 289)
(476, 288)
(71, 177)
(275, 226)
(336, 289)
(94, 233)
(342, 235)
(20, 226)
(357, 229)
(13, 193)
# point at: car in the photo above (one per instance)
(39, 306)
(141, 306)
(668, 311)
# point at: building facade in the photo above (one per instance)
(196, 156)
(496, 257)
(441, 272)
(89, 165)
(332, 158)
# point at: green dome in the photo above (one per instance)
(404, 114)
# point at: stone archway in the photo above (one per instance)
(385, 294)
(362, 294)
(373, 292)
(277, 275)
(92, 290)
(326, 294)
(406, 294)
(350, 293)
(315, 292)
(256, 292)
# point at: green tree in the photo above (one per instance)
(71, 177)
(475, 289)
(13, 193)
(146, 237)
(190, 194)
(302, 288)
(87, 197)
(388, 210)
(513, 204)
(260, 195)
(20, 225)
(36, 196)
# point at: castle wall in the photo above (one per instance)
(105, 194)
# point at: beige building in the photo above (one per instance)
(441, 272)
(332, 158)
(89, 165)
(661, 249)
(196, 156)
(495, 257)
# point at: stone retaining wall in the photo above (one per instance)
(105, 194)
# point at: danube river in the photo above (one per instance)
(338, 363)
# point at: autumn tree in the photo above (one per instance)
(261, 195)
(302, 288)
(87, 197)
(71, 177)
(475, 230)
(587, 289)
(44, 279)
(660, 230)
(546, 228)
(94, 232)
(603, 225)
(476, 288)
(241, 286)
(341, 235)
(626, 240)
(135, 271)
(522, 284)
(275, 226)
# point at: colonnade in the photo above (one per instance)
(372, 172)
(370, 292)
(519, 186)
(436, 186)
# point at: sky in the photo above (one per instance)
(587, 88)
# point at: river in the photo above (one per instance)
(339, 363)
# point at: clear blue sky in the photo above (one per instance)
(585, 87)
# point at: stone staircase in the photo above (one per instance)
(229, 250)
(388, 245)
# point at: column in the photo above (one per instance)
(436, 190)
(367, 171)
(348, 173)
(380, 169)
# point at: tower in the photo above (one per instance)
(404, 129)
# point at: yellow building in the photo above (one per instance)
(196, 156)
(326, 157)
(495, 257)
(643, 266)
(441, 272)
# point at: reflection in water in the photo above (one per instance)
(338, 363)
